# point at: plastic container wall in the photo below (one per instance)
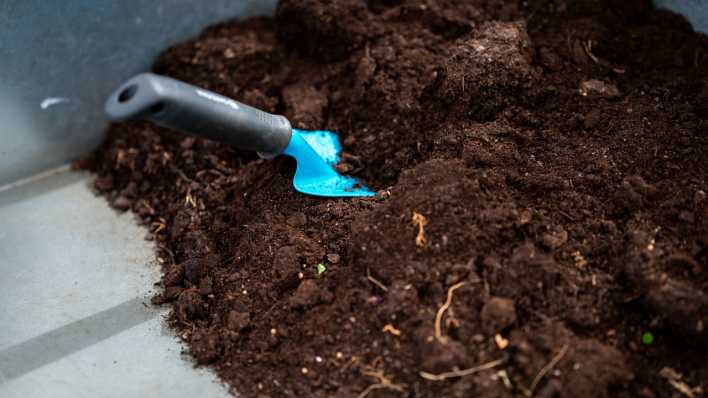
(61, 59)
(696, 11)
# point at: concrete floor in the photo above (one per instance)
(75, 281)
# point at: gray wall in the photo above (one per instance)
(696, 11)
(59, 60)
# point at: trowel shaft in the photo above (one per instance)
(178, 105)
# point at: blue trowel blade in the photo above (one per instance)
(316, 152)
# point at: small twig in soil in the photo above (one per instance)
(388, 328)
(550, 365)
(169, 252)
(587, 46)
(683, 388)
(421, 222)
(461, 373)
(354, 360)
(189, 199)
(502, 343)
(375, 281)
(209, 171)
(147, 206)
(505, 379)
(384, 382)
(441, 311)
(378, 386)
(181, 174)
(120, 155)
(588, 50)
(674, 378)
(159, 225)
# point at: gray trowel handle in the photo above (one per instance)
(174, 104)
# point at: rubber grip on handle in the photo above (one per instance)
(192, 110)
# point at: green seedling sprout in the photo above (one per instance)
(321, 268)
(647, 338)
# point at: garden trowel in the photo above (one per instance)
(192, 110)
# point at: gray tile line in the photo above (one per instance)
(61, 342)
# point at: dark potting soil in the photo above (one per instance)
(542, 209)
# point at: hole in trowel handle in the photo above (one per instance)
(157, 108)
(128, 93)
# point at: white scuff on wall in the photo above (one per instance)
(51, 101)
